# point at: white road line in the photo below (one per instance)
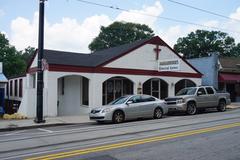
(45, 130)
(9, 134)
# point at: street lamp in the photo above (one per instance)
(40, 84)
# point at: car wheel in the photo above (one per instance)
(221, 106)
(191, 108)
(158, 113)
(118, 117)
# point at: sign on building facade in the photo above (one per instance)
(169, 65)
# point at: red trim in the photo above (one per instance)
(32, 70)
(226, 77)
(155, 40)
(65, 68)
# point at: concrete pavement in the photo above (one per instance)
(6, 125)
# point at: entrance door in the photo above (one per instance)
(114, 89)
(231, 89)
(118, 88)
(155, 86)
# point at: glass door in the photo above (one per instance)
(118, 88)
(155, 87)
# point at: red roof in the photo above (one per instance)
(229, 77)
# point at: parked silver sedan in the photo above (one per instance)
(130, 107)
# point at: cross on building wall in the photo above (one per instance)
(157, 51)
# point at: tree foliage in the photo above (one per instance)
(13, 64)
(201, 42)
(27, 53)
(119, 33)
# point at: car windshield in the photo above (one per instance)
(186, 91)
(119, 100)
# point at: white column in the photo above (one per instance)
(95, 92)
(171, 89)
(52, 96)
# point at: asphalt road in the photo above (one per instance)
(207, 136)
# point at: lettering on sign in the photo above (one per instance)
(169, 65)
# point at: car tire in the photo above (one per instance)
(221, 106)
(158, 113)
(118, 117)
(191, 108)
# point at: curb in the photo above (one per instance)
(14, 128)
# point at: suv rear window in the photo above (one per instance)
(209, 90)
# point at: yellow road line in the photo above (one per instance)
(133, 142)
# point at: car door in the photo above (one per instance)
(201, 98)
(132, 109)
(212, 98)
(148, 105)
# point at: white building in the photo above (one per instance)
(75, 82)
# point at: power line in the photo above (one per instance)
(159, 17)
(204, 10)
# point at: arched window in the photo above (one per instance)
(156, 87)
(183, 84)
(116, 87)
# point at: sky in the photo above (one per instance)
(71, 25)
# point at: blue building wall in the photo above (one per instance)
(208, 66)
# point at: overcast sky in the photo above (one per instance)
(71, 25)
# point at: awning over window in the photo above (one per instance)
(3, 79)
(223, 77)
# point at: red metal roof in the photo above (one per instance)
(229, 77)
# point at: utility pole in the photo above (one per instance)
(40, 84)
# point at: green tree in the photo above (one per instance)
(13, 64)
(201, 42)
(119, 33)
(27, 53)
(236, 50)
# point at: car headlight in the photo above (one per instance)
(106, 110)
(180, 101)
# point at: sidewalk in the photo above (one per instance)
(234, 105)
(6, 125)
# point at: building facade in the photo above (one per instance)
(221, 72)
(76, 82)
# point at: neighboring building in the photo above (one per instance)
(14, 94)
(75, 82)
(229, 77)
(222, 73)
(208, 66)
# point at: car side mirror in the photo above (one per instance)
(199, 93)
(129, 102)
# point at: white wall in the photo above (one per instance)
(145, 58)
